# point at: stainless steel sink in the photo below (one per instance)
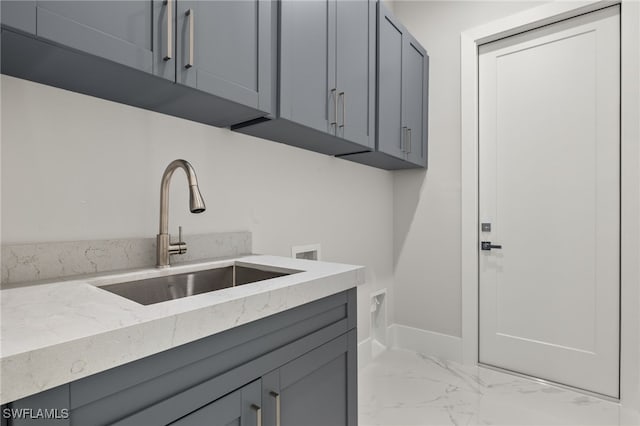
(161, 289)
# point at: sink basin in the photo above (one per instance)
(161, 289)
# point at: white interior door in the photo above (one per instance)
(550, 187)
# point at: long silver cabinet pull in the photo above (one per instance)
(258, 411)
(191, 15)
(344, 106)
(403, 139)
(409, 142)
(276, 395)
(335, 107)
(169, 4)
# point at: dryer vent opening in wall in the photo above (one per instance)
(378, 322)
(309, 252)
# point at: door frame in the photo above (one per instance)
(629, 166)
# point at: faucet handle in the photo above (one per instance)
(182, 246)
(179, 247)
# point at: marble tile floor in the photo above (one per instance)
(401, 388)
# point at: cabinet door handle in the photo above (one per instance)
(258, 411)
(335, 107)
(169, 4)
(403, 139)
(276, 395)
(409, 142)
(344, 106)
(191, 15)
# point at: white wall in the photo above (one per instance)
(427, 205)
(76, 167)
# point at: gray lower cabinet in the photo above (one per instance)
(220, 53)
(239, 408)
(326, 82)
(402, 98)
(295, 368)
(321, 376)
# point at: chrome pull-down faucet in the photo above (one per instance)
(165, 247)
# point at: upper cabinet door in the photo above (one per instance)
(225, 48)
(415, 70)
(355, 25)
(119, 31)
(391, 130)
(308, 93)
(19, 15)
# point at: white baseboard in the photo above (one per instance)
(426, 342)
(415, 340)
(364, 353)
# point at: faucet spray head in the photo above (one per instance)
(196, 202)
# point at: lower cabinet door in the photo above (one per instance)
(239, 408)
(312, 390)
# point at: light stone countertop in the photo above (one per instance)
(59, 332)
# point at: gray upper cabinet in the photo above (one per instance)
(355, 73)
(218, 47)
(414, 112)
(402, 102)
(402, 90)
(119, 31)
(19, 15)
(221, 54)
(224, 48)
(338, 77)
(307, 73)
(326, 77)
(390, 125)
(326, 71)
